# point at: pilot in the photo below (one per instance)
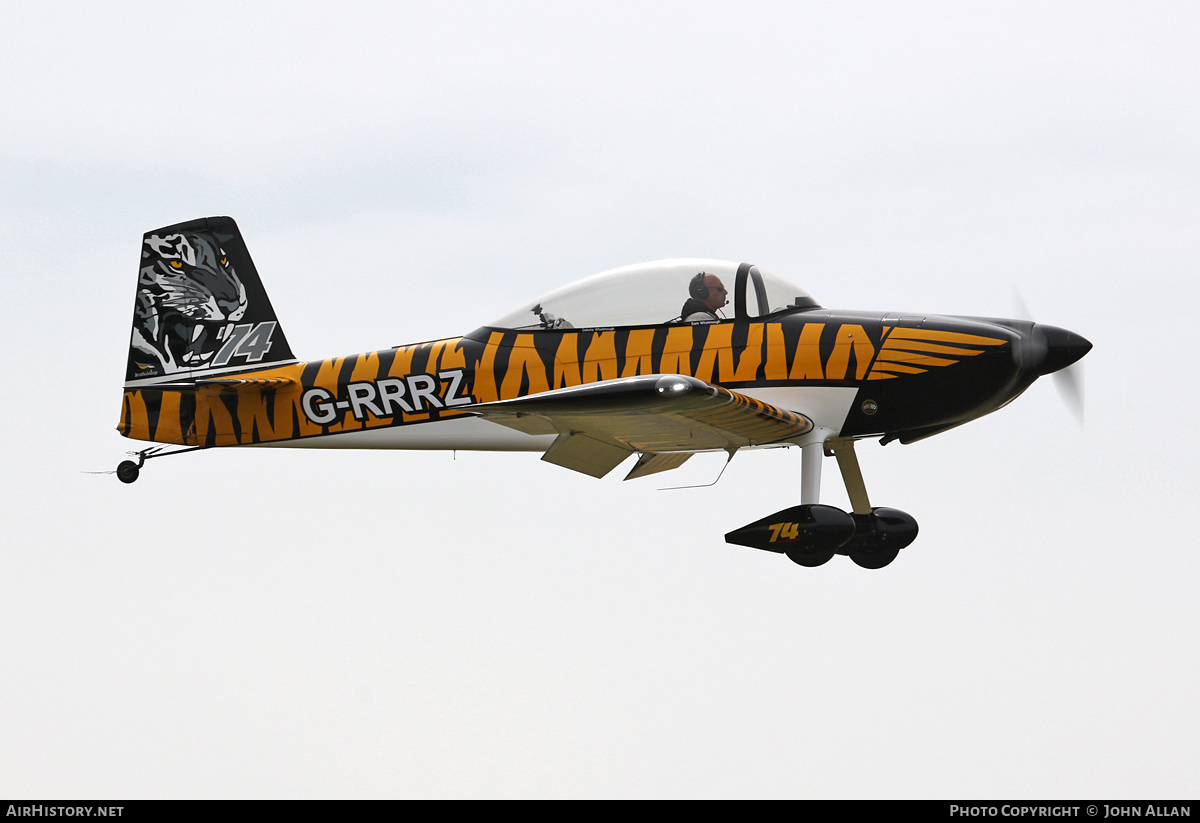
(706, 295)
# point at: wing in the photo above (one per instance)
(664, 417)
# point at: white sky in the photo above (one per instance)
(261, 624)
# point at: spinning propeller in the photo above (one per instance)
(1052, 350)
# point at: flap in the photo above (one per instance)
(650, 463)
(585, 454)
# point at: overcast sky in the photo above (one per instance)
(254, 623)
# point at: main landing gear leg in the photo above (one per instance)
(847, 460)
(811, 457)
(879, 533)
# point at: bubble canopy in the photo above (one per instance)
(651, 294)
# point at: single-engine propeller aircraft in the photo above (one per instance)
(590, 374)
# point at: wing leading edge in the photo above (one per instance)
(664, 417)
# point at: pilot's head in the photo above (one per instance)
(709, 290)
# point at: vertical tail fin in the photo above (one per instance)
(201, 308)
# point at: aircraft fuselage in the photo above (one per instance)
(897, 376)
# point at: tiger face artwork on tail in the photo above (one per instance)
(189, 298)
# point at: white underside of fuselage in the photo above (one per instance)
(826, 406)
(465, 433)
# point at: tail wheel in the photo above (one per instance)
(128, 471)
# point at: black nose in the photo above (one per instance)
(1060, 348)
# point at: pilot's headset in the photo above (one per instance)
(698, 288)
